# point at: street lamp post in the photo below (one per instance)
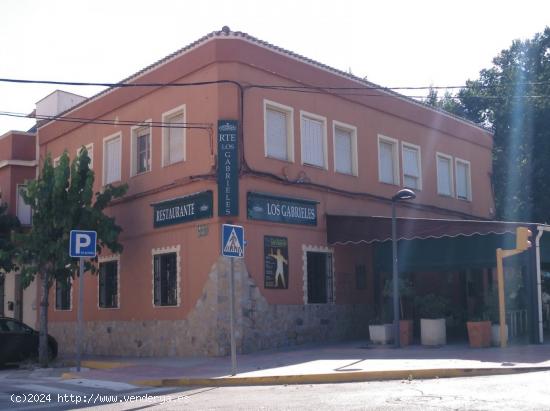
(402, 195)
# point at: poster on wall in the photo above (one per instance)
(276, 262)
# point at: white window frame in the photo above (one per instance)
(165, 117)
(323, 120)
(105, 141)
(468, 181)
(18, 188)
(405, 145)
(133, 147)
(451, 173)
(395, 155)
(107, 259)
(90, 149)
(289, 111)
(166, 250)
(354, 158)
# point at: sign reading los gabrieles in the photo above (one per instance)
(281, 209)
(183, 209)
(228, 168)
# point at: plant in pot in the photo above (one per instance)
(432, 310)
(406, 291)
(491, 313)
(479, 331)
(381, 329)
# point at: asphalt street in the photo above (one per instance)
(529, 391)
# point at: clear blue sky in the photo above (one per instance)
(392, 42)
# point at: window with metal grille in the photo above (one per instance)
(319, 278)
(63, 295)
(108, 284)
(165, 279)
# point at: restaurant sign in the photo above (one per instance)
(281, 209)
(183, 209)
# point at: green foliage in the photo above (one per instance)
(513, 98)
(8, 224)
(62, 200)
(432, 306)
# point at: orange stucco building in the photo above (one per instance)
(310, 142)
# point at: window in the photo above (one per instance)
(314, 143)
(63, 295)
(444, 174)
(111, 159)
(141, 150)
(173, 140)
(345, 148)
(412, 174)
(108, 284)
(387, 160)
(24, 213)
(320, 288)
(278, 131)
(165, 274)
(90, 149)
(463, 179)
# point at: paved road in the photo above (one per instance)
(509, 392)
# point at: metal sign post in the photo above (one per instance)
(82, 243)
(232, 247)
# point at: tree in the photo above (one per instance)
(8, 224)
(513, 99)
(62, 199)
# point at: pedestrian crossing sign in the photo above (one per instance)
(232, 241)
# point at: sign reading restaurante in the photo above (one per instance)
(183, 209)
(281, 209)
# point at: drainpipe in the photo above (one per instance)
(540, 231)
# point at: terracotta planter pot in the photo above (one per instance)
(405, 332)
(479, 333)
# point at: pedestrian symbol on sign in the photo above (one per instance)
(233, 241)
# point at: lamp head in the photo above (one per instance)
(404, 194)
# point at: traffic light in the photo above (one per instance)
(522, 238)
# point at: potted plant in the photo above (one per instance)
(479, 332)
(432, 309)
(405, 326)
(491, 313)
(381, 330)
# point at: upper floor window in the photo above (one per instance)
(463, 179)
(314, 139)
(278, 131)
(444, 174)
(108, 284)
(111, 159)
(24, 212)
(141, 149)
(412, 171)
(90, 150)
(388, 163)
(345, 148)
(173, 136)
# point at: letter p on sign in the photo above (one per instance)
(82, 243)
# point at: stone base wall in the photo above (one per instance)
(206, 330)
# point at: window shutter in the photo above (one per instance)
(312, 142)
(112, 160)
(343, 151)
(24, 212)
(411, 170)
(276, 134)
(175, 140)
(462, 180)
(444, 176)
(386, 163)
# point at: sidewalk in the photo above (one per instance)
(328, 363)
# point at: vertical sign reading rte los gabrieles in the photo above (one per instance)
(228, 168)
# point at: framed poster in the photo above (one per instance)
(275, 262)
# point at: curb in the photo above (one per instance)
(98, 365)
(337, 378)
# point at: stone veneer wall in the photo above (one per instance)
(205, 331)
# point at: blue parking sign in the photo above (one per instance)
(82, 243)
(232, 241)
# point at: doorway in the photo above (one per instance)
(319, 278)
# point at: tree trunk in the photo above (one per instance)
(43, 339)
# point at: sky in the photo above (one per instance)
(393, 43)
